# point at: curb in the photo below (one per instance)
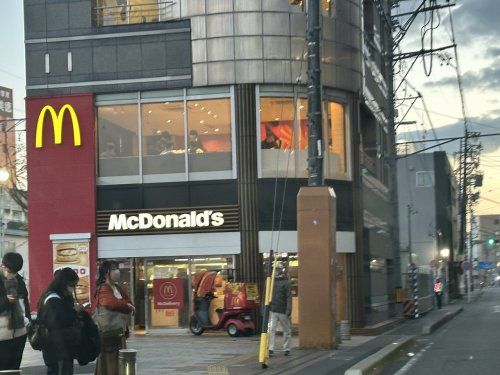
(431, 327)
(366, 365)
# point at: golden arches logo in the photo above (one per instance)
(168, 290)
(57, 123)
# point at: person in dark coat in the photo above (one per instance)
(58, 311)
(14, 312)
(281, 309)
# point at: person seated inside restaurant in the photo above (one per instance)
(165, 144)
(109, 152)
(194, 144)
(271, 141)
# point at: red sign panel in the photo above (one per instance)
(168, 293)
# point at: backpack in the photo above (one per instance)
(38, 333)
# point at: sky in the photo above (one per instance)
(477, 34)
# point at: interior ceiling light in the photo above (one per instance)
(216, 129)
(276, 119)
(150, 111)
(169, 121)
(196, 104)
(158, 132)
(202, 108)
(205, 132)
(167, 103)
(215, 116)
(209, 112)
(300, 107)
(202, 121)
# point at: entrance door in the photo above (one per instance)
(167, 293)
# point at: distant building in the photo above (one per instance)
(14, 228)
(428, 222)
(488, 249)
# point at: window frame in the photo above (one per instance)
(123, 99)
(299, 92)
(422, 173)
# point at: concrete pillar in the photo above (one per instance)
(316, 235)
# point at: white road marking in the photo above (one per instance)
(411, 362)
(496, 309)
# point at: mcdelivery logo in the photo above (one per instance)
(143, 221)
(168, 290)
(57, 123)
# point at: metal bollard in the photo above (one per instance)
(126, 362)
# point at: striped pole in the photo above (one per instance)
(414, 285)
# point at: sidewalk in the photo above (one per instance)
(218, 354)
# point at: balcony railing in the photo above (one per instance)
(135, 12)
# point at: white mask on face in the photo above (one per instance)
(8, 275)
(114, 275)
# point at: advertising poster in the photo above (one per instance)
(168, 293)
(75, 255)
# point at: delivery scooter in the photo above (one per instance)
(223, 305)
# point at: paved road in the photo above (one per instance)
(468, 345)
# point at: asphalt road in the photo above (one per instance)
(469, 344)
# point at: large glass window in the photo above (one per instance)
(181, 138)
(277, 137)
(335, 161)
(163, 140)
(122, 12)
(118, 140)
(282, 154)
(209, 136)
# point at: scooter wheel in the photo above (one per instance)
(232, 330)
(195, 327)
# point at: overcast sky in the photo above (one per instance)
(477, 34)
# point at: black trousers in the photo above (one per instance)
(11, 353)
(439, 299)
(58, 366)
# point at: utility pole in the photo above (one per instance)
(316, 215)
(314, 114)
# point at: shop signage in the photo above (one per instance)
(57, 123)
(168, 293)
(146, 221)
(179, 220)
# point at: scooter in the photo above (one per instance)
(218, 305)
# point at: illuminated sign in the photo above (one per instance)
(57, 123)
(146, 221)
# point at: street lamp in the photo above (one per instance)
(4, 177)
(445, 253)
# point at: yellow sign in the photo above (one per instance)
(57, 123)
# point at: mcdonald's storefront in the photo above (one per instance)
(102, 186)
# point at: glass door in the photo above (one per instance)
(167, 292)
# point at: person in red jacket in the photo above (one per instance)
(111, 296)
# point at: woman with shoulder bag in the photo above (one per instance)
(14, 312)
(59, 313)
(112, 305)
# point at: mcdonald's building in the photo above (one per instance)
(172, 138)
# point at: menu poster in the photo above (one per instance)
(74, 255)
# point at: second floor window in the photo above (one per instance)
(125, 12)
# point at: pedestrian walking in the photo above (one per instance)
(438, 292)
(112, 304)
(14, 312)
(281, 309)
(58, 311)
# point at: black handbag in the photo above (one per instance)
(37, 334)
